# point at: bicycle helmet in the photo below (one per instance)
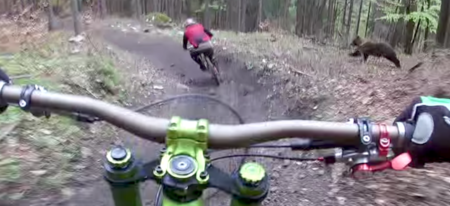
(189, 22)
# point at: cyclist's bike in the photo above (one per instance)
(184, 168)
(207, 63)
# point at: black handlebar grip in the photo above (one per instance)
(409, 130)
(406, 131)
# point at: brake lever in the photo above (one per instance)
(85, 118)
(398, 163)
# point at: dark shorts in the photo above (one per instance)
(204, 48)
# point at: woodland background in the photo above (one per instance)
(411, 25)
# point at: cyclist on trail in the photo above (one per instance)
(431, 137)
(200, 39)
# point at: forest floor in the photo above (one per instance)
(267, 76)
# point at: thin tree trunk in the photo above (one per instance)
(416, 33)
(344, 15)
(349, 22)
(368, 19)
(359, 18)
(410, 7)
(447, 34)
(207, 14)
(243, 10)
(75, 16)
(299, 18)
(427, 30)
(103, 9)
(51, 16)
(260, 9)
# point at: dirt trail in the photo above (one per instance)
(178, 74)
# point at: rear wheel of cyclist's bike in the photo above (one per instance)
(214, 70)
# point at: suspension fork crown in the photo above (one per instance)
(120, 166)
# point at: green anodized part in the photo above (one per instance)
(252, 172)
(435, 101)
(118, 157)
(185, 138)
(120, 166)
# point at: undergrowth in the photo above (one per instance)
(158, 18)
(41, 154)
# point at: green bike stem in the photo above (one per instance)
(182, 162)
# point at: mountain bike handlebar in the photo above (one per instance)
(220, 136)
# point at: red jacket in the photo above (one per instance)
(196, 34)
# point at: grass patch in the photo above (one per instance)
(41, 154)
(158, 18)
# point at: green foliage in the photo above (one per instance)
(159, 18)
(215, 6)
(430, 15)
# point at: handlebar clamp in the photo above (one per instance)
(365, 131)
(25, 100)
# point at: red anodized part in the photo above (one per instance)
(384, 140)
(398, 163)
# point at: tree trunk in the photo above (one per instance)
(330, 17)
(349, 22)
(260, 11)
(417, 31)
(137, 8)
(243, 13)
(410, 25)
(447, 35)
(103, 9)
(239, 10)
(368, 19)
(76, 18)
(320, 19)
(285, 22)
(334, 20)
(442, 25)
(51, 16)
(344, 15)
(359, 18)
(207, 14)
(80, 6)
(427, 30)
(299, 18)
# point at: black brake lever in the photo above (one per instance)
(85, 118)
(80, 117)
(318, 144)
